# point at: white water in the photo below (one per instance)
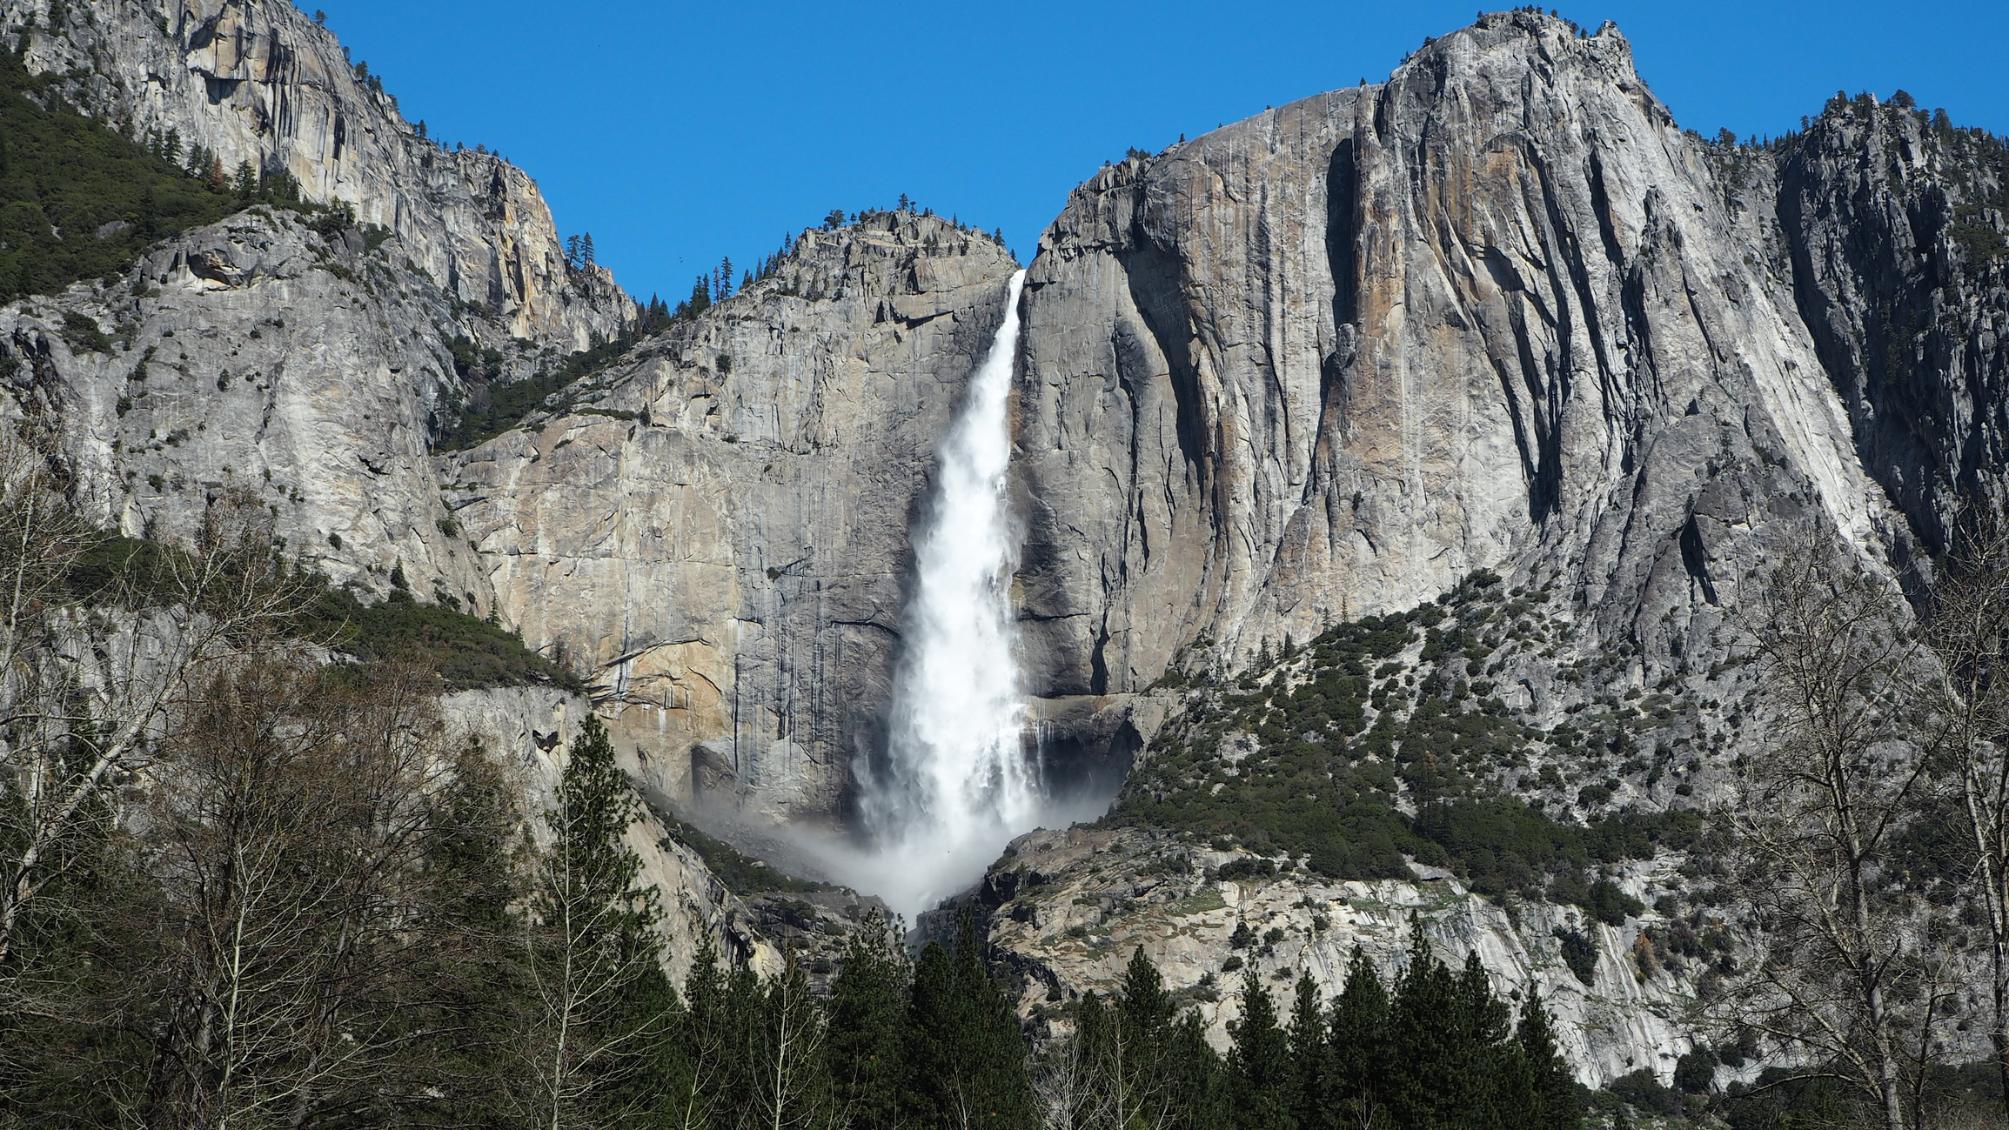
(957, 783)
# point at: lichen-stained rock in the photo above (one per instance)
(259, 356)
(258, 81)
(1322, 362)
(717, 525)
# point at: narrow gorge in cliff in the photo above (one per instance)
(1454, 601)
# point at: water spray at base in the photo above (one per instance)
(958, 781)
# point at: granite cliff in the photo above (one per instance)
(1498, 315)
(259, 82)
(716, 525)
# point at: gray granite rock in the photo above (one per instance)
(1320, 363)
(258, 81)
(715, 527)
(258, 356)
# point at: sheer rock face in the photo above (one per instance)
(256, 357)
(1320, 363)
(1894, 227)
(717, 525)
(257, 81)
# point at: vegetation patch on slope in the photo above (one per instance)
(468, 652)
(79, 200)
(1382, 741)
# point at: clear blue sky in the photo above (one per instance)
(679, 132)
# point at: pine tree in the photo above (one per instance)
(216, 180)
(1356, 1039)
(473, 1026)
(868, 1031)
(1137, 1075)
(966, 1057)
(1480, 1057)
(572, 259)
(1201, 1091)
(1307, 1035)
(1146, 1010)
(715, 1035)
(603, 1055)
(1422, 1037)
(586, 258)
(1081, 1086)
(1553, 1085)
(149, 219)
(246, 184)
(933, 1031)
(1259, 1061)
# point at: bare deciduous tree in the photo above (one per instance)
(88, 684)
(791, 1090)
(1066, 1093)
(1968, 629)
(290, 826)
(1838, 982)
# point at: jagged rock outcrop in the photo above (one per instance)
(263, 357)
(1068, 909)
(1497, 312)
(1894, 224)
(716, 525)
(1320, 363)
(258, 81)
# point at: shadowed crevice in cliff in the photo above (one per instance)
(1153, 274)
(1535, 435)
(1695, 558)
(1877, 245)
(1342, 233)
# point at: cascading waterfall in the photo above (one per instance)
(956, 783)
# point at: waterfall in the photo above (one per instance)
(956, 783)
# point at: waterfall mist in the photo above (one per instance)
(958, 779)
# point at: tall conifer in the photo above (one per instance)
(1307, 1035)
(1259, 1060)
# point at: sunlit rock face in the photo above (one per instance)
(257, 358)
(1071, 907)
(1322, 362)
(258, 81)
(717, 525)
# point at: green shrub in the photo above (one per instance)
(1611, 905)
(500, 407)
(465, 651)
(1579, 953)
(1695, 1071)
